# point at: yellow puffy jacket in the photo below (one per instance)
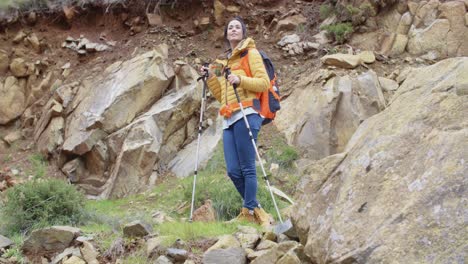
(223, 91)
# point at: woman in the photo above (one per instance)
(239, 152)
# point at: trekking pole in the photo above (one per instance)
(228, 72)
(202, 109)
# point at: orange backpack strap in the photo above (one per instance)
(228, 109)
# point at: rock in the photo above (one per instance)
(226, 241)
(5, 242)
(388, 84)
(69, 12)
(74, 260)
(233, 9)
(89, 253)
(270, 256)
(347, 61)
(291, 23)
(12, 100)
(248, 240)
(52, 137)
(423, 124)
(33, 40)
(204, 23)
(235, 255)
(455, 12)
(274, 169)
(154, 19)
(160, 217)
(266, 244)
(205, 213)
(51, 239)
(13, 136)
(71, 251)
(20, 36)
(178, 255)
(322, 37)
(137, 229)
(155, 247)
(219, 9)
(163, 260)
(367, 56)
(4, 61)
(31, 18)
(269, 236)
(399, 45)
(251, 254)
(405, 24)
(20, 68)
(345, 101)
(432, 38)
(289, 258)
(426, 13)
(289, 39)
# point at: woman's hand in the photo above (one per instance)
(233, 79)
(204, 69)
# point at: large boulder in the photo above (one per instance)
(12, 99)
(124, 90)
(4, 61)
(48, 241)
(398, 193)
(151, 140)
(329, 114)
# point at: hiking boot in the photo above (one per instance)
(244, 216)
(262, 217)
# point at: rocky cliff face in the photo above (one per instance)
(397, 191)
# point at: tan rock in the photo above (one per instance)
(52, 137)
(367, 56)
(224, 242)
(33, 40)
(205, 213)
(12, 100)
(402, 7)
(219, 9)
(69, 12)
(432, 38)
(291, 23)
(347, 61)
(13, 137)
(405, 23)
(388, 84)
(4, 61)
(20, 68)
(455, 12)
(413, 7)
(233, 9)
(395, 212)
(399, 45)
(74, 260)
(154, 19)
(266, 244)
(89, 253)
(346, 101)
(426, 13)
(155, 246)
(289, 258)
(19, 37)
(466, 19)
(389, 20)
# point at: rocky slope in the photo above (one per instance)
(381, 125)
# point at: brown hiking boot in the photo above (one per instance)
(245, 216)
(262, 217)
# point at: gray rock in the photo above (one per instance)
(289, 39)
(225, 256)
(163, 260)
(51, 239)
(178, 255)
(137, 229)
(5, 242)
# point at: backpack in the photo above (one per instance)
(267, 102)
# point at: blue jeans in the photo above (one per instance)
(239, 155)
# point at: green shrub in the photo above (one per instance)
(39, 166)
(42, 203)
(339, 31)
(326, 10)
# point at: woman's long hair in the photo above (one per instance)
(244, 32)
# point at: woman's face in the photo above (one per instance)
(234, 31)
